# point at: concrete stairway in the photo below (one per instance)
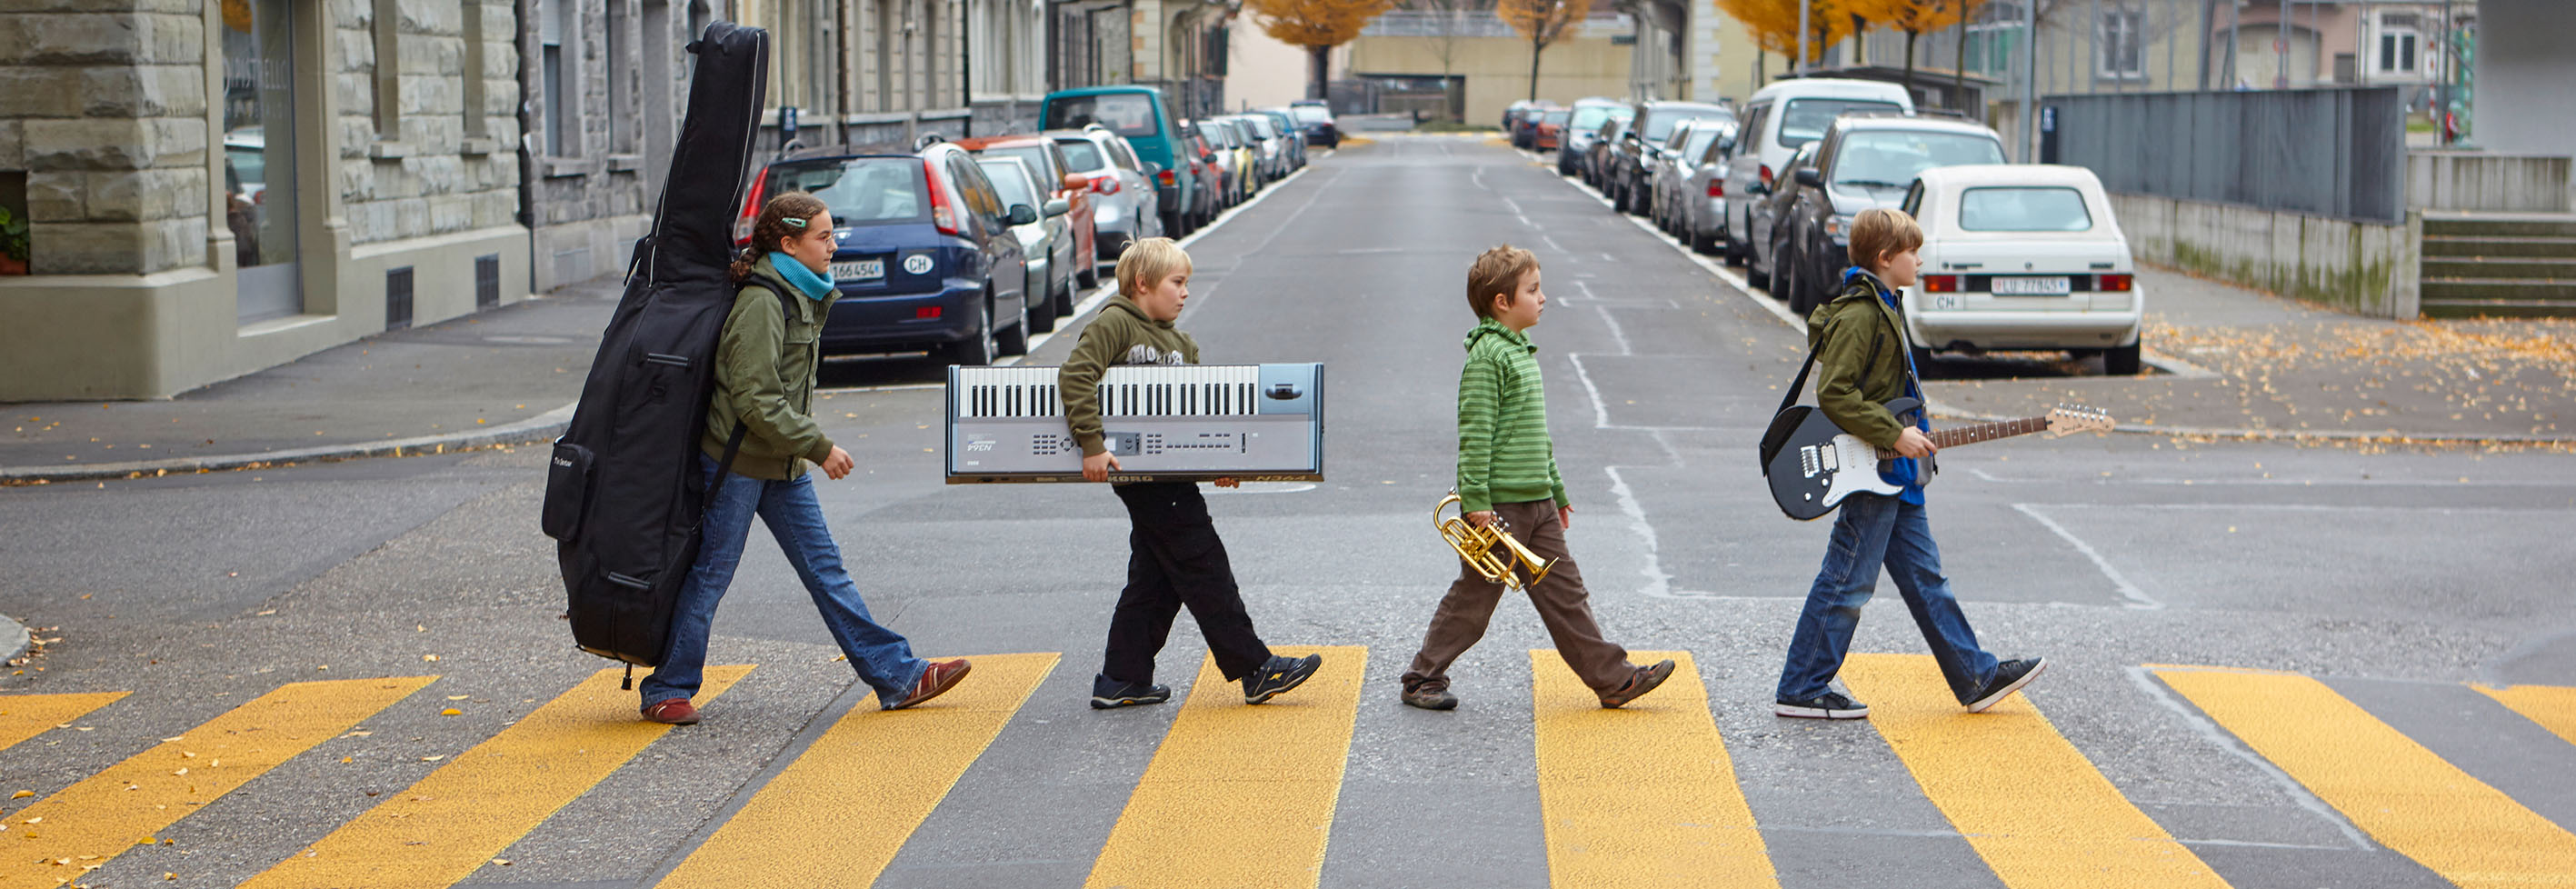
(2499, 264)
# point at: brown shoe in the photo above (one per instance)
(939, 677)
(671, 711)
(1638, 684)
(1431, 696)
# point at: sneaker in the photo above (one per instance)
(1431, 696)
(1279, 675)
(1107, 693)
(671, 711)
(936, 679)
(1638, 684)
(2010, 676)
(1830, 705)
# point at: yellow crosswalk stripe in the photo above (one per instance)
(1640, 796)
(838, 813)
(91, 821)
(26, 716)
(2032, 806)
(2403, 795)
(1228, 773)
(441, 829)
(2554, 707)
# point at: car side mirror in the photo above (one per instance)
(1021, 214)
(1057, 207)
(1757, 188)
(1808, 177)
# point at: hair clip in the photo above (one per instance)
(791, 220)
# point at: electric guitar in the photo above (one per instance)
(1819, 464)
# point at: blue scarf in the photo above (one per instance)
(815, 285)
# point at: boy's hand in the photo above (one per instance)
(1912, 443)
(1227, 482)
(1565, 517)
(838, 464)
(1481, 518)
(1096, 468)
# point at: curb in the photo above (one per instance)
(14, 638)
(539, 428)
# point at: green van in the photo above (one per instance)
(1139, 115)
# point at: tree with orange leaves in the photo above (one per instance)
(1774, 24)
(1543, 22)
(1317, 25)
(1914, 17)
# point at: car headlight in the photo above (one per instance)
(1838, 227)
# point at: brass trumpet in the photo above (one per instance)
(1476, 547)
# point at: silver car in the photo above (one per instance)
(1271, 153)
(1669, 170)
(1048, 243)
(1700, 213)
(1123, 204)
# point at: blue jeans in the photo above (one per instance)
(1874, 530)
(882, 656)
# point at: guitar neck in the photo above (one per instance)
(1947, 438)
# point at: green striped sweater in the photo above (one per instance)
(1504, 455)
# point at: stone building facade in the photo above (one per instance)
(603, 85)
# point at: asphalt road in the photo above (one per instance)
(2388, 628)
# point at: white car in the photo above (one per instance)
(2022, 256)
(1775, 122)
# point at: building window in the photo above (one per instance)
(388, 73)
(2397, 38)
(477, 124)
(2119, 49)
(559, 60)
(620, 77)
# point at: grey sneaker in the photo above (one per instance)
(2010, 676)
(1830, 705)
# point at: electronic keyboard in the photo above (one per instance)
(1164, 422)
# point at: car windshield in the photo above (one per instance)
(1127, 114)
(1084, 155)
(1260, 125)
(2024, 209)
(1659, 125)
(1312, 113)
(1558, 118)
(1699, 139)
(1033, 155)
(1806, 119)
(1011, 181)
(1891, 158)
(859, 191)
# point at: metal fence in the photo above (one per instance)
(2328, 152)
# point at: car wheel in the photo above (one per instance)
(1090, 276)
(1015, 340)
(980, 348)
(1042, 311)
(1705, 245)
(2123, 361)
(1734, 251)
(1759, 279)
(1922, 361)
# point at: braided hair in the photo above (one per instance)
(783, 217)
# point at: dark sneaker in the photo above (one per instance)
(671, 711)
(1107, 693)
(2010, 676)
(1830, 705)
(1279, 675)
(1638, 684)
(937, 679)
(1431, 696)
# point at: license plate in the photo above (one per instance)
(864, 269)
(2056, 286)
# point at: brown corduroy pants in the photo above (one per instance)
(1562, 604)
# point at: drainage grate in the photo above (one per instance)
(487, 281)
(398, 298)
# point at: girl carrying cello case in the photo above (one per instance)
(623, 493)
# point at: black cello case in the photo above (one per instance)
(623, 490)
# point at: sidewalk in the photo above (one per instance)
(2236, 362)
(505, 376)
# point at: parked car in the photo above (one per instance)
(1583, 127)
(1286, 123)
(1625, 181)
(1317, 120)
(1669, 170)
(1226, 159)
(1047, 243)
(1247, 156)
(2022, 256)
(927, 257)
(1520, 121)
(1596, 152)
(1274, 145)
(1864, 161)
(1122, 197)
(1212, 195)
(1761, 215)
(1549, 131)
(1703, 197)
(1777, 120)
(1139, 115)
(1055, 179)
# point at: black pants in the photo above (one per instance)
(1175, 559)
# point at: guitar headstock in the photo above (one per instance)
(2068, 419)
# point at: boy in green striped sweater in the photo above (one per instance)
(1507, 473)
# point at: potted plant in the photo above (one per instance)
(13, 243)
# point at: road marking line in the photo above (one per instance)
(2554, 707)
(92, 821)
(442, 829)
(2031, 804)
(838, 813)
(2137, 598)
(1643, 795)
(2403, 795)
(26, 716)
(1240, 795)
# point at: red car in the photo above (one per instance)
(1047, 159)
(1550, 133)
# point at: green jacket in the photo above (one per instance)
(1860, 361)
(765, 363)
(1120, 334)
(1504, 454)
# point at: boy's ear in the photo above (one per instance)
(1503, 299)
